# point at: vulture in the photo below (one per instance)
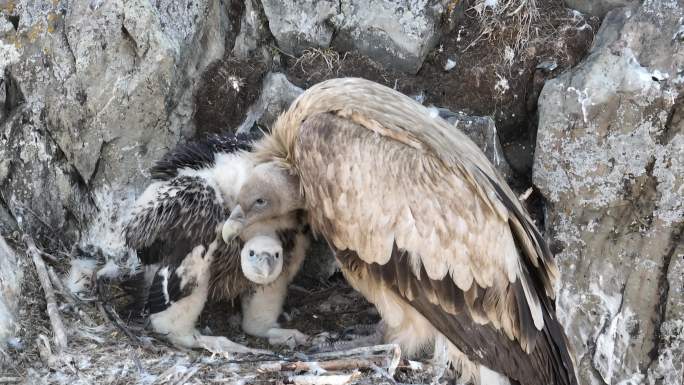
(175, 228)
(421, 224)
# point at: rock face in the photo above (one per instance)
(609, 160)
(277, 93)
(397, 34)
(299, 24)
(94, 93)
(10, 283)
(599, 7)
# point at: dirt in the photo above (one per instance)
(228, 88)
(488, 79)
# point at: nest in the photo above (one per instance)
(68, 340)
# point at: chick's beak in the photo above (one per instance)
(234, 225)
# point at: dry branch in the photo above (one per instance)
(331, 366)
(108, 311)
(60, 336)
(339, 379)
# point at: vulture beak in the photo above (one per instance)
(234, 225)
(267, 270)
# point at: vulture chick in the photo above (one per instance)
(175, 227)
(421, 224)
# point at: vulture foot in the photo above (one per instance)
(288, 337)
(214, 344)
(354, 337)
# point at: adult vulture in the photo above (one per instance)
(422, 225)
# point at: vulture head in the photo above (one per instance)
(269, 192)
(261, 259)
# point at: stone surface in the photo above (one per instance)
(97, 91)
(276, 95)
(599, 7)
(397, 34)
(252, 32)
(10, 283)
(609, 160)
(300, 24)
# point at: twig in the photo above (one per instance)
(523, 197)
(332, 365)
(60, 336)
(187, 376)
(365, 351)
(339, 379)
(9, 380)
(111, 314)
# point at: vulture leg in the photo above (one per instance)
(260, 312)
(176, 299)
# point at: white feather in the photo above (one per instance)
(80, 274)
(109, 270)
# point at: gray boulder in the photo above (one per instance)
(299, 24)
(609, 160)
(11, 273)
(398, 34)
(599, 7)
(277, 93)
(98, 90)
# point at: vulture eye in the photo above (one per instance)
(260, 202)
(277, 255)
(251, 253)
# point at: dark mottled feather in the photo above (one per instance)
(183, 215)
(157, 300)
(199, 154)
(452, 319)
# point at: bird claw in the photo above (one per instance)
(224, 346)
(359, 330)
(288, 337)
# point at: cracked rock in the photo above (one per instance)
(609, 161)
(397, 34)
(277, 93)
(106, 88)
(598, 7)
(11, 273)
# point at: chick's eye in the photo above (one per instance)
(251, 253)
(260, 202)
(277, 255)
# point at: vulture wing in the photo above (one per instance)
(173, 217)
(414, 204)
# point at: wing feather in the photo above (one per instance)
(172, 217)
(462, 264)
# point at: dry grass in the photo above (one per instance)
(516, 27)
(99, 351)
(332, 62)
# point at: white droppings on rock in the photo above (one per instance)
(501, 86)
(8, 55)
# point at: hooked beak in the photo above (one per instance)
(267, 270)
(233, 225)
